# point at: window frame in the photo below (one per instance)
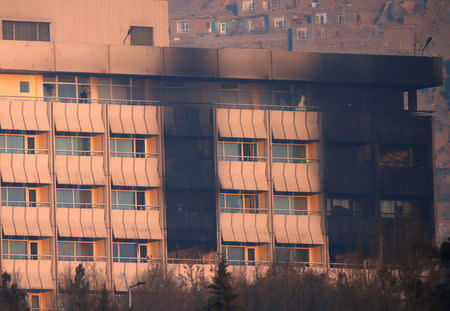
(73, 204)
(241, 157)
(75, 256)
(76, 152)
(255, 197)
(291, 207)
(182, 26)
(289, 158)
(27, 203)
(51, 80)
(25, 149)
(116, 206)
(14, 24)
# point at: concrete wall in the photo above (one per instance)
(87, 21)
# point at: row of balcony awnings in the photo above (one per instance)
(290, 229)
(37, 274)
(133, 119)
(287, 177)
(82, 223)
(72, 117)
(292, 125)
(78, 170)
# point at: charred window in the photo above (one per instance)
(402, 156)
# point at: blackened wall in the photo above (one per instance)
(190, 181)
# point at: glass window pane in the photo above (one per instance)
(236, 253)
(4, 197)
(249, 150)
(69, 79)
(128, 250)
(84, 92)
(85, 249)
(222, 200)
(140, 148)
(85, 198)
(2, 142)
(115, 250)
(126, 199)
(297, 151)
(17, 248)
(279, 153)
(84, 80)
(124, 147)
(234, 203)
(82, 144)
(103, 81)
(120, 81)
(64, 198)
(15, 144)
(120, 92)
(63, 145)
(220, 150)
(66, 251)
(301, 255)
(140, 199)
(113, 197)
(282, 254)
(66, 91)
(299, 204)
(104, 92)
(16, 197)
(251, 203)
(387, 209)
(49, 90)
(281, 205)
(5, 247)
(232, 152)
(49, 78)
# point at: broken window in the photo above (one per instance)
(402, 156)
(26, 31)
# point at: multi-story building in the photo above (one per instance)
(120, 156)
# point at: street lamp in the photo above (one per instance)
(129, 292)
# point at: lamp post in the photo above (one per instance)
(129, 292)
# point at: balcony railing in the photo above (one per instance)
(241, 158)
(237, 262)
(243, 210)
(187, 261)
(295, 212)
(79, 152)
(80, 205)
(81, 258)
(163, 102)
(26, 257)
(136, 259)
(136, 207)
(25, 204)
(293, 160)
(23, 151)
(125, 154)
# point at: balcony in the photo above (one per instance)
(136, 224)
(79, 170)
(26, 219)
(298, 229)
(241, 123)
(73, 117)
(30, 274)
(21, 167)
(24, 115)
(81, 222)
(238, 175)
(295, 125)
(133, 119)
(242, 227)
(135, 172)
(297, 177)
